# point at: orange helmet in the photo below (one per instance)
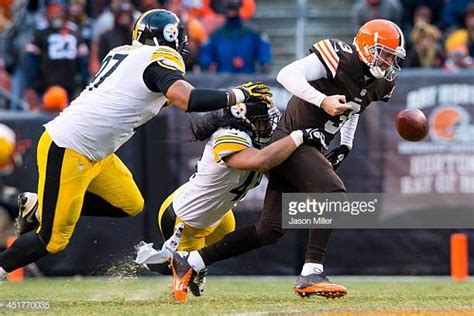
(380, 44)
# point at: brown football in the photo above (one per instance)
(412, 125)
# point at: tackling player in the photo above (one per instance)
(78, 170)
(331, 87)
(233, 162)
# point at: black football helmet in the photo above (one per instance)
(261, 117)
(161, 28)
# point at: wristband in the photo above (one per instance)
(239, 96)
(297, 137)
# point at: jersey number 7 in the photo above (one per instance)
(106, 69)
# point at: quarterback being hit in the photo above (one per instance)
(79, 173)
(331, 87)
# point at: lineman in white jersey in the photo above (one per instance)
(233, 162)
(79, 174)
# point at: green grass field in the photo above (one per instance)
(244, 295)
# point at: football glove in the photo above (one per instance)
(314, 137)
(337, 155)
(255, 92)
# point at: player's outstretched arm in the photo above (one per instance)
(262, 160)
(190, 99)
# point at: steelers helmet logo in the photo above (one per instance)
(239, 110)
(170, 32)
(446, 121)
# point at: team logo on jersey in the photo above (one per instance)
(170, 32)
(450, 123)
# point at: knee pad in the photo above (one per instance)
(268, 234)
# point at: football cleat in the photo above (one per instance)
(182, 274)
(27, 219)
(318, 284)
(198, 282)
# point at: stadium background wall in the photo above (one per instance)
(161, 156)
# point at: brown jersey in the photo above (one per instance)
(345, 76)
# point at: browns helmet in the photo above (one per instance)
(380, 45)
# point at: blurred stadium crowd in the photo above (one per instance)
(49, 49)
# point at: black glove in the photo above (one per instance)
(337, 155)
(255, 92)
(314, 137)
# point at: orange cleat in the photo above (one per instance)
(182, 273)
(318, 284)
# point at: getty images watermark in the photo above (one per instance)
(377, 210)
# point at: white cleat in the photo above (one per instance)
(146, 254)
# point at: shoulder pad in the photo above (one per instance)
(168, 58)
(228, 141)
(330, 52)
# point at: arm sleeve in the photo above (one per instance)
(295, 76)
(348, 131)
(159, 79)
(226, 142)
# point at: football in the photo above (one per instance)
(412, 125)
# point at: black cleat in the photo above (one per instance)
(318, 284)
(198, 282)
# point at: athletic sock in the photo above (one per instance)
(195, 261)
(310, 268)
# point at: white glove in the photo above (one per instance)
(146, 254)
